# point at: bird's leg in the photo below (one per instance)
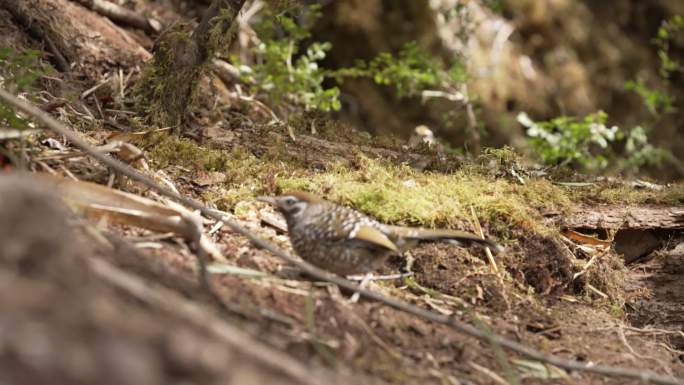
(369, 277)
(380, 277)
(362, 285)
(409, 263)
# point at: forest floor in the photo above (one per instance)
(86, 302)
(547, 295)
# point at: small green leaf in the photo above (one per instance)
(223, 268)
(537, 369)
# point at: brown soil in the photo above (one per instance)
(68, 326)
(658, 291)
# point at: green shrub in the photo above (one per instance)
(287, 70)
(661, 100)
(567, 140)
(283, 73)
(588, 143)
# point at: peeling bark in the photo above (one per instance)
(621, 218)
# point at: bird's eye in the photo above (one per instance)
(290, 201)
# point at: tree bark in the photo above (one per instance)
(621, 218)
(77, 39)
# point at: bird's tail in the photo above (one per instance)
(419, 234)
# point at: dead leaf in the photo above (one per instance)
(132, 155)
(127, 152)
(218, 134)
(132, 136)
(208, 178)
(101, 203)
(584, 238)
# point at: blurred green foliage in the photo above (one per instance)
(657, 101)
(284, 74)
(588, 143)
(667, 32)
(661, 100)
(287, 65)
(411, 71)
(566, 139)
(19, 71)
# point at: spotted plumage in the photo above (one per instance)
(344, 241)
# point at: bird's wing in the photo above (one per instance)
(375, 237)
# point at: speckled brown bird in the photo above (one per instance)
(344, 241)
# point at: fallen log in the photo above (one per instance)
(626, 218)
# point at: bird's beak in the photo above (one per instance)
(271, 200)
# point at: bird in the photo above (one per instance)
(347, 242)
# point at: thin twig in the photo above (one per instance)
(625, 343)
(478, 228)
(614, 371)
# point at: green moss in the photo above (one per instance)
(400, 194)
(396, 193)
(166, 150)
(220, 37)
(672, 195)
(392, 193)
(246, 175)
(505, 156)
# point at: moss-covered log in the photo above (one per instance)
(169, 82)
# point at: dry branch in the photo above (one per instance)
(614, 371)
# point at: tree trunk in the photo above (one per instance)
(169, 83)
